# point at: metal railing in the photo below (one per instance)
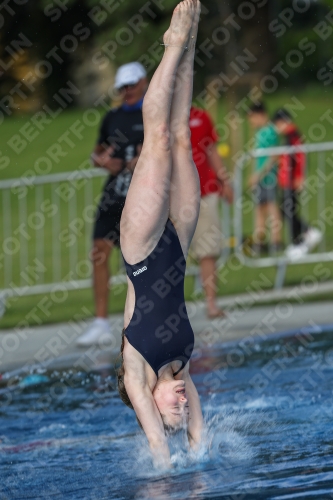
(46, 234)
(316, 206)
(47, 225)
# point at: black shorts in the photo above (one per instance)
(264, 194)
(107, 226)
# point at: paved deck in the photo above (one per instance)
(54, 346)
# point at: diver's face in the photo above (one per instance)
(170, 399)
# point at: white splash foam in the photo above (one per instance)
(223, 446)
(52, 427)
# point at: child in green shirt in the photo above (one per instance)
(264, 180)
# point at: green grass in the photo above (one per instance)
(27, 162)
(72, 242)
(320, 297)
(77, 305)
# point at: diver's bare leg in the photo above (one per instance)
(148, 201)
(185, 186)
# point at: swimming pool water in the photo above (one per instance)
(268, 408)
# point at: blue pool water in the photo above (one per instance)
(269, 417)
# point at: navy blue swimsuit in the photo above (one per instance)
(159, 328)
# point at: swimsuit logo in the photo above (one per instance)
(144, 268)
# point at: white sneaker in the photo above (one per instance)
(312, 238)
(99, 332)
(295, 252)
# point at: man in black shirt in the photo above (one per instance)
(117, 150)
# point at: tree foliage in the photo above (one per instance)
(124, 30)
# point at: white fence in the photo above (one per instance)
(47, 224)
(46, 234)
(316, 201)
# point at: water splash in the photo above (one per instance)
(224, 443)
(223, 446)
(259, 442)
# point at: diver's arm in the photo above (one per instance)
(150, 419)
(196, 423)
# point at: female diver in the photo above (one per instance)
(157, 225)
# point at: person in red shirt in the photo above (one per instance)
(206, 243)
(291, 177)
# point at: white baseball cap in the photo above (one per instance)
(129, 74)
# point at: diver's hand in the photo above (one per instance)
(195, 444)
(161, 455)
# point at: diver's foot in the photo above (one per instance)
(181, 23)
(194, 28)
